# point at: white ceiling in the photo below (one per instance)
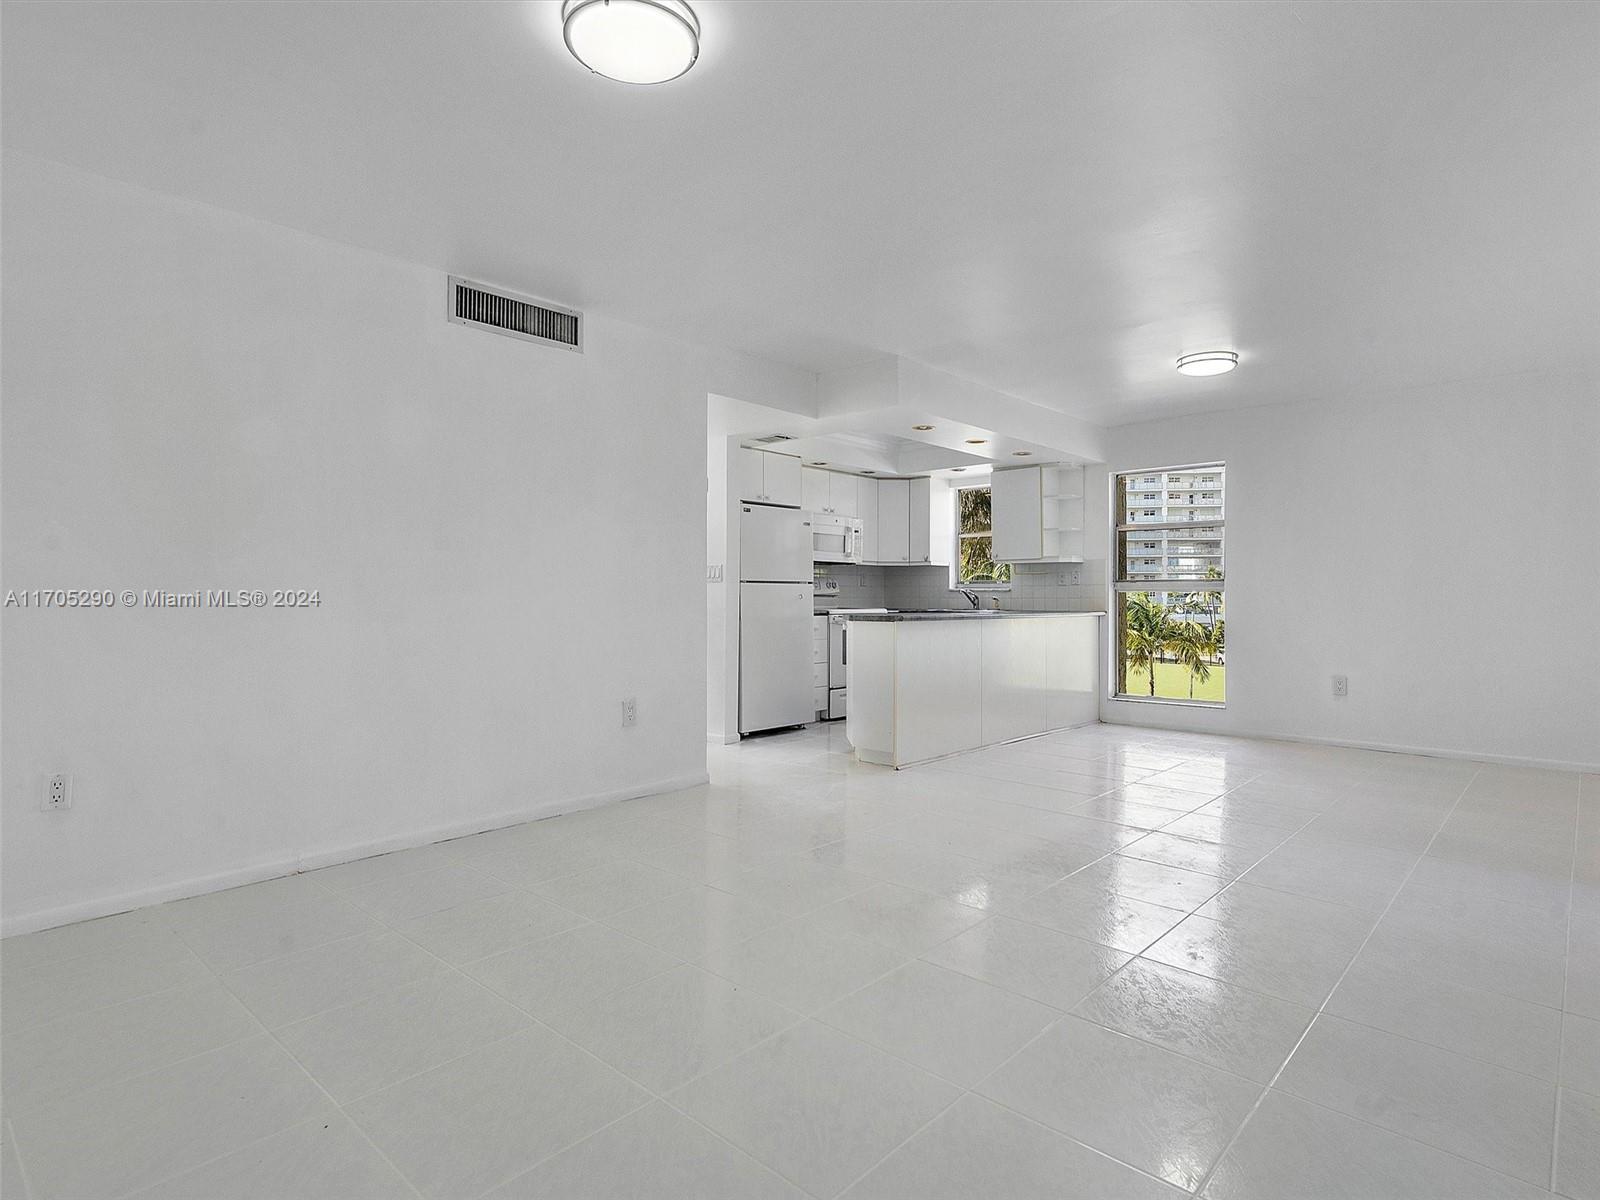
(1053, 200)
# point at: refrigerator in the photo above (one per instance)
(775, 603)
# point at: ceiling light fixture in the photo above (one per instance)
(957, 469)
(1208, 362)
(923, 428)
(822, 463)
(632, 41)
(869, 472)
(977, 441)
(1022, 453)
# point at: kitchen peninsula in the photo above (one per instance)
(927, 684)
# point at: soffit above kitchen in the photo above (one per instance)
(894, 417)
(1052, 200)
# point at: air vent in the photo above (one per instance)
(771, 438)
(515, 316)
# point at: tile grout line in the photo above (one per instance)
(277, 1041)
(1321, 1008)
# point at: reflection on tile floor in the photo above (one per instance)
(1110, 962)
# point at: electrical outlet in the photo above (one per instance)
(1341, 685)
(57, 793)
(630, 712)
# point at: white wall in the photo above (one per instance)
(1439, 547)
(195, 399)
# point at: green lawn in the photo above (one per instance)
(1172, 683)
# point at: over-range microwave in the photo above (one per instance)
(835, 539)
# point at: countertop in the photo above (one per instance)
(967, 614)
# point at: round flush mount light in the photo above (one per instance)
(1208, 362)
(822, 463)
(632, 41)
(1022, 453)
(922, 428)
(977, 441)
(869, 472)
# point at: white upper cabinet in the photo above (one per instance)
(844, 498)
(751, 474)
(813, 490)
(867, 510)
(905, 521)
(1016, 510)
(894, 515)
(932, 522)
(768, 478)
(830, 492)
(783, 479)
(1037, 514)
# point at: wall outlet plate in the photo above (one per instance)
(630, 712)
(57, 793)
(1341, 685)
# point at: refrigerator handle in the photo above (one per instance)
(844, 644)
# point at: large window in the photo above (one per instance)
(1169, 618)
(975, 566)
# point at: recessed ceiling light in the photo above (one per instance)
(869, 472)
(1208, 362)
(977, 441)
(923, 428)
(955, 469)
(1023, 453)
(823, 463)
(632, 41)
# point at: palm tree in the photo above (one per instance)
(1148, 633)
(1188, 645)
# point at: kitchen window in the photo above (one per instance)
(1169, 598)
(974, 558)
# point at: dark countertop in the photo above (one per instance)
(968, 614)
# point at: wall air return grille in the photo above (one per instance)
(771, 439)
(514, 316)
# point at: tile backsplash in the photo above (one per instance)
(1034, 586)
(859, 587)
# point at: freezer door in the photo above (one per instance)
(774, 656)
(774, 544)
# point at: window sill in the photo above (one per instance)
(1169, 701)
(982, 587)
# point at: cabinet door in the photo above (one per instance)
(843, 495)
(750, 468)
(782, 475)
(1017, 515)
(894, 520)
(813, 490)
(919, 547)
(867, 504)
(941, 522)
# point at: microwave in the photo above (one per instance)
(835, 539)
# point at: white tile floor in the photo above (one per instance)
(1107, 963)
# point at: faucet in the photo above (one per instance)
(972, 597)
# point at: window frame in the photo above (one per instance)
(956, 536)
(1121, 523)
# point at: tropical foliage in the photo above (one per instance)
(977, 565)
(1155, 633)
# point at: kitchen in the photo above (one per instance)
(833, 558)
